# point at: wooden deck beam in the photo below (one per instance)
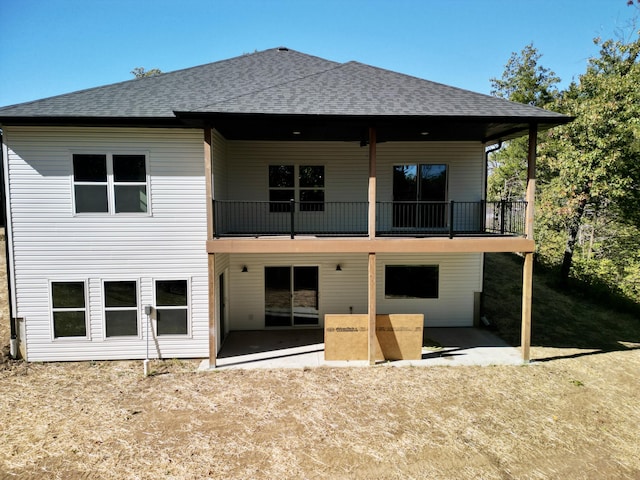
(366, 245)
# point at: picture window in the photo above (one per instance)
(411, 281)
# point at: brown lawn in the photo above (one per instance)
(573, 415)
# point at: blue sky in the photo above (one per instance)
(50, 47)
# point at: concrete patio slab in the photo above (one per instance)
(305, 349)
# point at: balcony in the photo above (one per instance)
(349, 219)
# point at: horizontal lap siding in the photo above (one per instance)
(50, 243)
(460, 275)
(339, 290)
(465, 161)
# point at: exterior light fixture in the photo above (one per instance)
(244, 269)
(338, 268)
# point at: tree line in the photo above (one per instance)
(588, 175)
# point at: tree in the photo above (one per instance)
(524, 80)
(591, 164)
(140, 72)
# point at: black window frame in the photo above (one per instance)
(307, 190)
(63, 310)
(403, 282)
(120, 188)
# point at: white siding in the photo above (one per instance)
(338, 290)
(460, 275)
(51, 244)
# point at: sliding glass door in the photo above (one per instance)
(419, 196)
(291, 296)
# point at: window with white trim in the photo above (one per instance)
(110, 183)
(172, 307)
(121, 308)
(68, 308)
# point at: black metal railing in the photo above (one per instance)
(262, 218)
(240, 218)
(506, 217)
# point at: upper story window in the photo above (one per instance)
(110, 183)
(304, 183)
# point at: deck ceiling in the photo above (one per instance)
(320, 128)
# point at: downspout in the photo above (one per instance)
(494, 148)
(13, 345)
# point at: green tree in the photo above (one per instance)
(524, 80)
(140, 72)
(590, 166)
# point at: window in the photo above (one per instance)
(172, 307)
(106, 183)
(411, 281)
(69, 309)
(283, 184)
(281, 187)
(121, 308)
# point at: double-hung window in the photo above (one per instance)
(110, 183)
(172, 307)
(121, 308)
(69, 309)
(304, 183)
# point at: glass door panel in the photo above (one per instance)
(405, 194)
(433, 189)
(277, 296)
(305, 296)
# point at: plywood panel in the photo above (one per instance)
(399, 337)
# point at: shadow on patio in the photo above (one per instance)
(305, 348)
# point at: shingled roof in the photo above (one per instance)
(267, 93)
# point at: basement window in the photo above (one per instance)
(68, 309)
(172, 307)
(411, 281)
(121, 308)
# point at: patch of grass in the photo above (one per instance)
(560, 318)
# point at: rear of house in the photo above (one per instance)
(145, 223)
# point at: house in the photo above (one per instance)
(259, 192)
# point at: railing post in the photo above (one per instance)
(213, 219)
(502, 213)
(451, 203)
(292, 205)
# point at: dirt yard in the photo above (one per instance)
(573, 414)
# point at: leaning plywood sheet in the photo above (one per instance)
(346, 338)
(400, 336)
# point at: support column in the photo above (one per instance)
(527, 271)
(372, 255)
(372, 309)
(372, 182)
(208, 180)
(531, 180)
(213, 348)
(527, 293)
